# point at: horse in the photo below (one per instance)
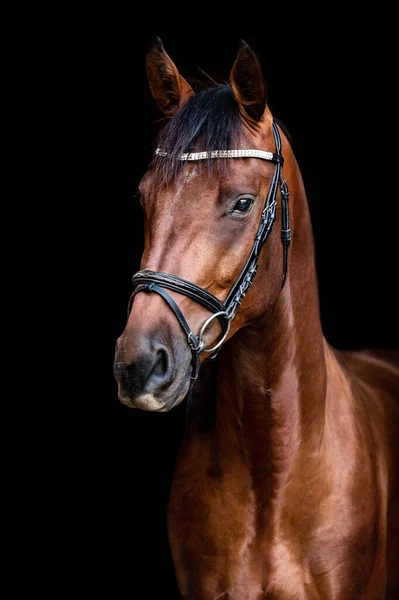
(286, 483)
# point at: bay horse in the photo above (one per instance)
(286, 484)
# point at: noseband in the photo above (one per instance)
(152, 281)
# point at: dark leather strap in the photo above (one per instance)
(285, 227)
(277, 158)
(182, 286)
(192, 339)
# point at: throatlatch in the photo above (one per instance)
(153, 281)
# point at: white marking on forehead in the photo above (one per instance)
(190, 175)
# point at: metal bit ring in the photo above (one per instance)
(205, 325)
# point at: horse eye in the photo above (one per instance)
(243, 204)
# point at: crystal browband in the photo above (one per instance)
(243, 153)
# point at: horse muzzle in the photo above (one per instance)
(152, 371)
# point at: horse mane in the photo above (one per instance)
(210, 120)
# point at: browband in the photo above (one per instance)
(244, 153)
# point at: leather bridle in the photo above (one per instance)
(152, 281)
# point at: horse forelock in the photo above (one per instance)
(209, 121)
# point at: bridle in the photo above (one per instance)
(153, 281)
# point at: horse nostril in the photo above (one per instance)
(160, 374)
(162, 363)
(148, 371)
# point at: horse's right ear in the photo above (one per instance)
(169, 89)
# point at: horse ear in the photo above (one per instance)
(169, 89)
(246, 80)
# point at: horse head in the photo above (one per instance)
(209, 199)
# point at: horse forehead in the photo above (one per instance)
(191, 185)
(235, 173)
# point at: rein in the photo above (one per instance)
(153, 281)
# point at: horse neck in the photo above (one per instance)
(271, 376)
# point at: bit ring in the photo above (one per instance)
(205, 325)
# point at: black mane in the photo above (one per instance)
(210, 120)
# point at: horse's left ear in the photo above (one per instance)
(247, 83)
(169, 89)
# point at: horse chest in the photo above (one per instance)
(243, 572)
(218, 548)
(220, 545)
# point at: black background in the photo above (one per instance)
(334, 90)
